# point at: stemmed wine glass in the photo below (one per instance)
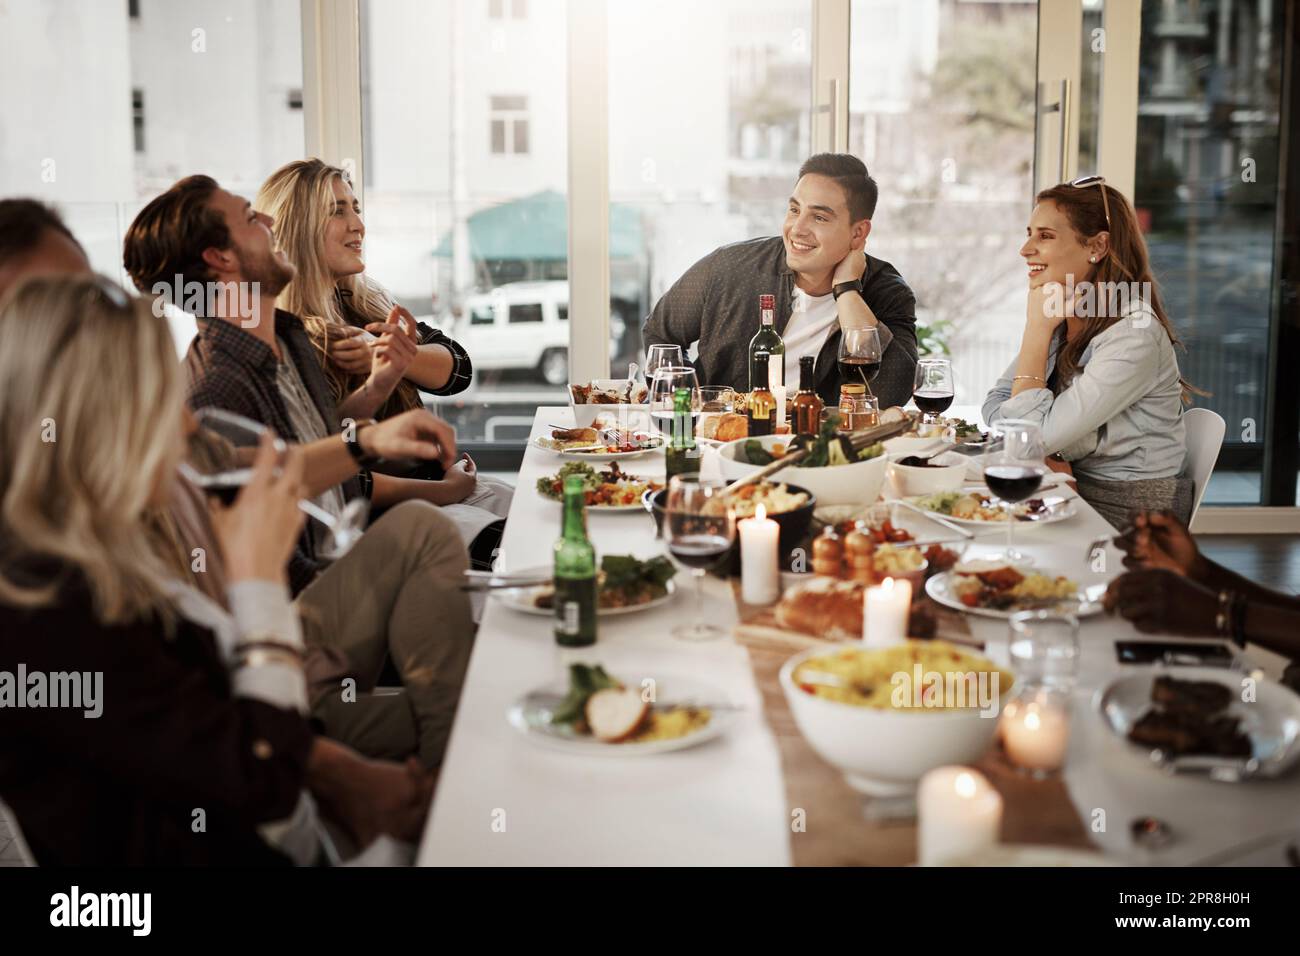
(1013, 469)
(663, 386)
(659, 356)
(860, 356)
(219, 461)
(933, 390)
(700, 528)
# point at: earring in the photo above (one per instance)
(1092, 258)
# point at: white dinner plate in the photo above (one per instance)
(523, 600)
(530, 715)
(1061, 509)
(940, 588)
(1271, 720)
(539, 442)
(602, 509)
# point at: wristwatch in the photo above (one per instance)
(853, 285)
(353, 443)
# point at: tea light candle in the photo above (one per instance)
(1036, 732)
(760, 575)
(884, 613)
(778, 392)
(958, 813)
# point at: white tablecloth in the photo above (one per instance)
(502, 800)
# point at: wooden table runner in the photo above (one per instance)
(835, 831)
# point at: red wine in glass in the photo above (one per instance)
(932, 403)
(856, 369)
(1013, 483)
(701, 551)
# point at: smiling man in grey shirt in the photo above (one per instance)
(823, 281)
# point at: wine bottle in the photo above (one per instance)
(762, 403)
(807, 403)
(575, 572)
(767, 339)
(681, 456)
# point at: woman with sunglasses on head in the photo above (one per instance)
(197, 708)
(1097, 368)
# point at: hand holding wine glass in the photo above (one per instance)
(700, 528)
(257, 532)
(860, 356)
(1013, 470)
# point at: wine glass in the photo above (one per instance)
(860, 354)
(933, 391)
(1013, 470)
(220, 458)
(663, 386)
(659, 356)
(700, 528)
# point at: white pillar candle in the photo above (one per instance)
(958, 813)
(778, 391)
(1036, 732)
(884, 613)
(760, 574)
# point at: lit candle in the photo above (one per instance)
(760, 575)
(1036, 732)
(884, 613)
(778, 392)
(958, 813)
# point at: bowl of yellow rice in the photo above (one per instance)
(884, 716)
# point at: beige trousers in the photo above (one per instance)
(395, 593)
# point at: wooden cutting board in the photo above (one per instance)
(829, 819)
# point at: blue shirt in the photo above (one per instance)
(1121, 419)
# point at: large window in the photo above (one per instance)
(941, 103)
(1207, 192)
(106, 104)
(708, 124)
(464, 120)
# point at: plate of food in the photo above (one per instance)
(997, 589)
(976, 509)
(608, 489)
(619, 395)
(1223, 723)
(599, 442)
(596, 713)
(625, 585)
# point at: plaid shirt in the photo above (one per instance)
(715, 303)
(232, 369)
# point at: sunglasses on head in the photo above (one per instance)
(1083, 182)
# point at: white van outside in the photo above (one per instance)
(524, 325)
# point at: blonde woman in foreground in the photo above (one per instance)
(193, 706)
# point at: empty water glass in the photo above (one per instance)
(1044, 648)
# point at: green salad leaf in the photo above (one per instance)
(756, 454)
(584, 680)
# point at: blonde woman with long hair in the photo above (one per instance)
(179, 704)
(376, 357)
(1098, 366)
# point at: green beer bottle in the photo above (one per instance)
(575, 572)
(681, 456)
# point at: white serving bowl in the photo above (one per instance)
(909, 480)
(858, 483)
(585, 415)
(880, 751)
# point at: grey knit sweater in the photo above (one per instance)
(715, 302)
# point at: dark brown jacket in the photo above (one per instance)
(123, 788)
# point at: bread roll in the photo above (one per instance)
(823, 607)
(732, 426)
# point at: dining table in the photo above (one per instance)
(503, 800)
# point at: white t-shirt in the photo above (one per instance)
(812, 319)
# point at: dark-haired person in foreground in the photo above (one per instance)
(408, 565)
(822, 278)
(1171, 586)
